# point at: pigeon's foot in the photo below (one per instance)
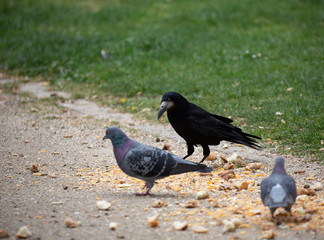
(147, 191)
(144, 194)
(273, 217)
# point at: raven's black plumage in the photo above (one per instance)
(199, 127)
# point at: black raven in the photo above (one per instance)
(199, 127)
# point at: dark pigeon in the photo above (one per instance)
(146, 162)
(199, 127)
(279, 189)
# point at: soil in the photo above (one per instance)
(62, 138)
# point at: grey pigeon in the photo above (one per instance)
(146, 162)
(279, 189)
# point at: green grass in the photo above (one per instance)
(234, 58)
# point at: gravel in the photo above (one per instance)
(55, 165)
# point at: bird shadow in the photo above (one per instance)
(159, 195)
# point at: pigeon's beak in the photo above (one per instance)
(106, 136)
(165, 105)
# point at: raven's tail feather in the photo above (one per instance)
(246, 139)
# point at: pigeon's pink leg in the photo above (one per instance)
(144, 194)
(147, 191)
(145, 186)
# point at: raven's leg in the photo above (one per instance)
(206, 152)
(190, 151)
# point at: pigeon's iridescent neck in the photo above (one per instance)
(121, 149)
(279, 168)
(279, 171)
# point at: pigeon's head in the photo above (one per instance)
(279, 166)
(116, 135)
(169, 101)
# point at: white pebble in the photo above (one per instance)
(317, 186)
(231, 225)
(225, 146)
(103, 205)
(180, 226)
(236, 159)
(113, 226)
(23, 232)
(153, 220)
(202, 195)
(301, 197)
(199, 229)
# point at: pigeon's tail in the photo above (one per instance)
(190, 167)
(206, 169)
(278, 204)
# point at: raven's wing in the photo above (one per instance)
(211, 124)
(211, 130)
(199, 112)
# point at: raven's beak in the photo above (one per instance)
(165, 105)
(105, 137)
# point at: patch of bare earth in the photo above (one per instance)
(55, 168)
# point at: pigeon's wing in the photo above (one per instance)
(265, 187)
(290, 186)
(278, 188)
(147, 161)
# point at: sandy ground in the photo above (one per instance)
(63, 138)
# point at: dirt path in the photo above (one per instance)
(76, 168)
